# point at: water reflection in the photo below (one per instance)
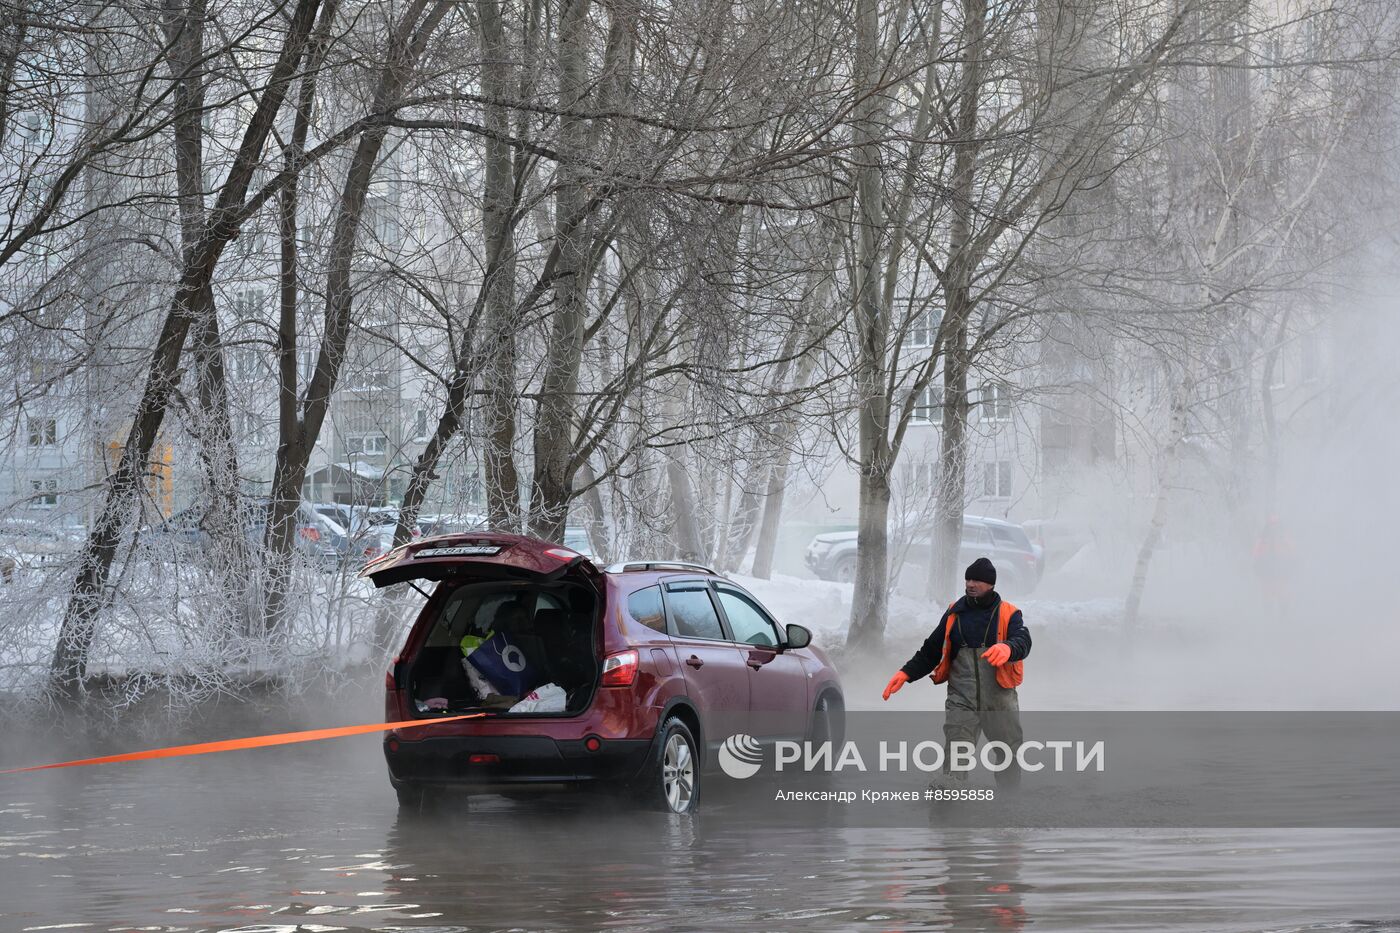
(313, 840)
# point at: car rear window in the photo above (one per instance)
(1014, 537)
(471, 609)
(645, 606)
(975, 536)
(692, 613)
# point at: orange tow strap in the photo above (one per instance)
(256, 741)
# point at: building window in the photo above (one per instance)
(248, 303)
(44, 370)
(995, 403)
(996, 479)
(928, 405)
(43, 493)
(247, 364)
(924, 328)
(374, 444)
(920, 478)
(254, 429)
(306, 365)
(367, 378)
(383, 219)
(420, 424)
(43, 432)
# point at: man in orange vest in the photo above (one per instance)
(978, 648)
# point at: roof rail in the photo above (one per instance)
(682, 565)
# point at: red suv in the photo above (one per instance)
(626, 678)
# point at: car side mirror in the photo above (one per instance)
(798, 636)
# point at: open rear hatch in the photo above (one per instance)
(487, 555)
(511, 629)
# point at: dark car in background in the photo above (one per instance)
(317, 538)
(832, 556)
(651, 666)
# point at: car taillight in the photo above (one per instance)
(619, 670)
(310, 532)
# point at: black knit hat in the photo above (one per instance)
(981, 569)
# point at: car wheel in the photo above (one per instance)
(829, 721)
(844, 570)
(671, 781)
(414, 798)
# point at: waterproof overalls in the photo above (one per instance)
(976, 702)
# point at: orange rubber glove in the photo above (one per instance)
(998, 654)
(898, 680)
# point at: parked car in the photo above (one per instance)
(653, 665)
(317, 537)
(29, 545)
(576, 537)
(369, 530)
(357, 520)
(452, 523)
(1058, 540)
(1019, 566)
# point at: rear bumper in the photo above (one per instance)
(521, 759)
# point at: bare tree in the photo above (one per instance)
(231, 208)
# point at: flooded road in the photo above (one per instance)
(309, 838)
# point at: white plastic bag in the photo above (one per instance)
(483, 687)
(547, 699)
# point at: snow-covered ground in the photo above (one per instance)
(159, 628)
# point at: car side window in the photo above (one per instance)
(1004, 537)
(976, 536)
(691, 611)
(747, 621)
(645, 606)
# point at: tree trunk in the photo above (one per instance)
(952, 473)
(499, 204)
(1171, 457)
(552, 485)
(960, 304)
(688, 541)
(767, 544)
(223, 518)
(405, 47)
(818, 318)
(597, 522)
(869, 602)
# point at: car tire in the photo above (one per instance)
(670, 782)
(829, 721)
(844, 570)
(414, 798)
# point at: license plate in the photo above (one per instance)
(466, 550)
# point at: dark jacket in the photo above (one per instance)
(972, 630)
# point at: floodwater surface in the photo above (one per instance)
(310, 838)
